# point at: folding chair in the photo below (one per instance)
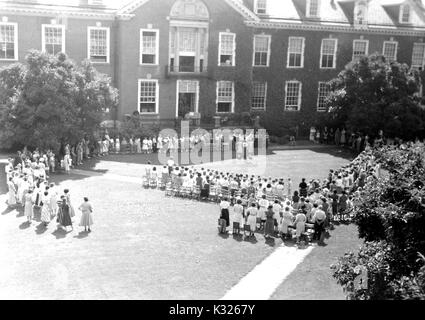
(221, 226)
(146, 182)
(168, 189)
(196, 193)
(153, 183)
(213, 194)
(186, 192)
(246, 228)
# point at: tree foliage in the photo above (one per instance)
(50, 100)
(391, 218)
(372, 94)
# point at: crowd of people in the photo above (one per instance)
(271, 205)
(27, 177)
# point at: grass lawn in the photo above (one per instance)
(147, 246)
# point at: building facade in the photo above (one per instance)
(170, 58)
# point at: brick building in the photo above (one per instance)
(217, 57)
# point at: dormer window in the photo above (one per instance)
(313, 8)
(360, 13)
(260, 7)
(405, 13)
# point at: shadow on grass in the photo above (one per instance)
(224, 235)
(82, 235)
(252, 240)
(24, 225)
(270, 242)
(40, 229)
(8, 210)
(238, 237)
(61, 233)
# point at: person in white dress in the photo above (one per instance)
(251, 218)
(86, 217)
(68, 201)
(145, 146)
(23, 189)
(12, 193)
(300, 220)
(138, 146)
(28, 206)
(53, 199)
(238, 213)
(263, 204)
(45, 209)
(67, 163)
(117, 145)
(286, 221)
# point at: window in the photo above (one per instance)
(328, 54)
(360, 48)
(225, 96)
(260, 6)
(259, 94)
(98, 44)
(360, 14)
(261, 50)
(53, 38)
(292, 96)
(296, 52)
(149, 47)
(404, 13)
(418, 55)
(148, 96)
(95, 2)
(313, 7)
(8, 41)
(227, 48)
(390, 50)
(324, 91)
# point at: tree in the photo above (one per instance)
(391, 219)
(50, 100)
(372, 94)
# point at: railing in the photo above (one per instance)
(173, 69)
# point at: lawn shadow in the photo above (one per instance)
(40, 229)
(270, 242)
(8, 210)
(224, 235)
(252, 240)
(60, 233)
(238, 237)
(82, 235)
(20, 212)
(24, 225)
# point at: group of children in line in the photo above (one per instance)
(29, 188)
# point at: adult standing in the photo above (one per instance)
(319, 219)
(269, 225)
(12, 193)
(224, 214)
(68, 201)
(28, 206)
(303, 188)
(251, 218)
(86, 218)
(300, 220)
(45, 209)
(64, 217)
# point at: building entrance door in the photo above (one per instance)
(186, 103)
(187, 97)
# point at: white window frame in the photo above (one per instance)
(396, 49)
(256, 7)
(421, 44)
(233, 97)
(156, 31)
(265, 97)
(334, 54)
(139, 81)
(400, 17)
(178, 92)
(354, 47)
(300, 92)
(15, 49)
(302, 53)
(95, 2)
(220, 47)
(43, 35)
(268, 50)
(108, 44)
(318, 109)
(308, 7)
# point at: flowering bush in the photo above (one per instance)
(391, 219)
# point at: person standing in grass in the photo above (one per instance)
(251, 218)
(64, 217)
(45, 209)
(86, 218)
(28, 206)
(269, 224)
